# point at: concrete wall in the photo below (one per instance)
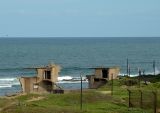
(91, 81)
(110, 72)
(54, 73)
(97, 79)
(55, 69)
(40, 73)
(98, 73)
(114, 72)
(31, 85)
(27, 84)
(38, 83)
(22, 82)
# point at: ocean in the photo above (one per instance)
(75, 55)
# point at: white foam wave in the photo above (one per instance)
(71, 79)
(7, 79)
(5, 85)
(8, 82)
(131, 75)
(147, 73)
(64, 78)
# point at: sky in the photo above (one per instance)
(79, 18)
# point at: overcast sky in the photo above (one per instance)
(80, 18)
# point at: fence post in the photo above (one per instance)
(154, 67)
(81, 93)
(127, 66)
(112, 86)
(129, 71)
(129, 98)
(141, 99)
(139, 77)
(155, 101)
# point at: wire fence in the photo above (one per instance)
(145, 100)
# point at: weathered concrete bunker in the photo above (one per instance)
(102, 75)
(43, 82)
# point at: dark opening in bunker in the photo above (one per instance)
(48, 85)
(105, 73)
(47, 75)
(96, 80)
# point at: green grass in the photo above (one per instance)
(94, 101)
(2, 101)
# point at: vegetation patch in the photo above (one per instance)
(93, 101)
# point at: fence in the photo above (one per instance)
(144, 99)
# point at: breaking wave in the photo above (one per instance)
(69, 79)
(10, 82)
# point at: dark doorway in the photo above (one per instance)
(48, 86)
(105, 73)
(47, 75)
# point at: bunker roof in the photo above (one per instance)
(112, 67)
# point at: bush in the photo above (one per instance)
(129, 82)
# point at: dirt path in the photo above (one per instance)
(104, 92)
(7, 106)
(35, 99)
(18, 102)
